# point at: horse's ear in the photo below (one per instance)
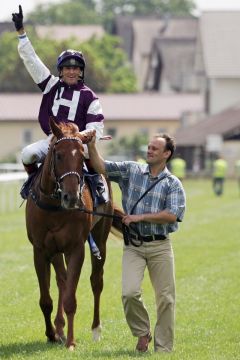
(55, 128)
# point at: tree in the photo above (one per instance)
(114, 60)
(111, 8)
(68, 12)
(129, 147)
(107, 69)
(105, 11)
(150, 7)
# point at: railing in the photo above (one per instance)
(10, 184)
(10, 167)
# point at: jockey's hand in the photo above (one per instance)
(87, 136)
(17, 18)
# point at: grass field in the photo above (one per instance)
(207, 256)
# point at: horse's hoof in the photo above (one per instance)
(96, 333)
(71, 348)
(61, 339)
(52, 339)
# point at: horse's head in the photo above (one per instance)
(67, 162)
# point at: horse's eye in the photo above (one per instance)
(58, 157)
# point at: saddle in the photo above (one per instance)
(98, 187)
(96, 182)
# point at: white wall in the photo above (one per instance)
(223, 94)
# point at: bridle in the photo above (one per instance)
(57, 191)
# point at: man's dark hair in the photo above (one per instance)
(170, 143)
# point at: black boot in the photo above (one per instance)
(31, 169)
(96, 183)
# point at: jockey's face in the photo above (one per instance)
(70, 74)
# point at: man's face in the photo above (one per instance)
(156, 153)
(70, 74)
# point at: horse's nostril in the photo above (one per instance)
(65, 197)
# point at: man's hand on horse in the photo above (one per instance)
(17, 18)
(87, 136)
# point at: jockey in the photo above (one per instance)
(66, 97)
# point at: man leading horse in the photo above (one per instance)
(65, 97)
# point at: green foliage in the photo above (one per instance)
(67, 12)
(104, 11)
(121, 78)
(150, 7)
(129, 147)
(107, 68)
(13, 75)
(112, 8)
(207, 280)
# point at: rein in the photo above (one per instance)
(42, 205)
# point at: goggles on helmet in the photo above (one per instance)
(71, 58)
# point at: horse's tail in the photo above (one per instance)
(117, 218)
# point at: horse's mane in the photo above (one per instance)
(68, 130)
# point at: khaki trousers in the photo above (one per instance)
(158, 257)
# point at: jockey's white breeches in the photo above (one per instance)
(36, 152)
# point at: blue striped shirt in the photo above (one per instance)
(168, 194)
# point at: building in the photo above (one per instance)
(125, 115)
(218, 58)
(217, 134)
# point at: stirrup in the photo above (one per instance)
(24, 192)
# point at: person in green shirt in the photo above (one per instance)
(237, 171)
(219, 174)
(178, 168)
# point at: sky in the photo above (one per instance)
(9, 6)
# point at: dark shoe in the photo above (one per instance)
(143, 341)
(97, 187)
(24, 192)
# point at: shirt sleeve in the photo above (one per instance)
(176, 199)
(38, 71)
(118, 171)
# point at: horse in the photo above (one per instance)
(58, 229)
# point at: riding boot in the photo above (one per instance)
(99, 195)
(31, 170)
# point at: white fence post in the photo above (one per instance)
(10, 184)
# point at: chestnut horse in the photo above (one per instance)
(58, 230)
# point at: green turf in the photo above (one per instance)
(207, 256)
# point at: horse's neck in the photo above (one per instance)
(47, 183)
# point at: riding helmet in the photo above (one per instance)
(71, 58)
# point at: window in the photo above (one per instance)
(161, 130)
(144, 131)
(27, 137)
(111, 131)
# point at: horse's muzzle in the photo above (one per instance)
(70, 201)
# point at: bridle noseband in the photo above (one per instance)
(58, 179)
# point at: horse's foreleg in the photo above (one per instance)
(61, 277)
(42, 267)
(100, 233)
(96, 279)
(74, 266)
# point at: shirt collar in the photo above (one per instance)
(162, 174)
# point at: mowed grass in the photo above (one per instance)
(207, 257)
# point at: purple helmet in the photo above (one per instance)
(71, 58)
